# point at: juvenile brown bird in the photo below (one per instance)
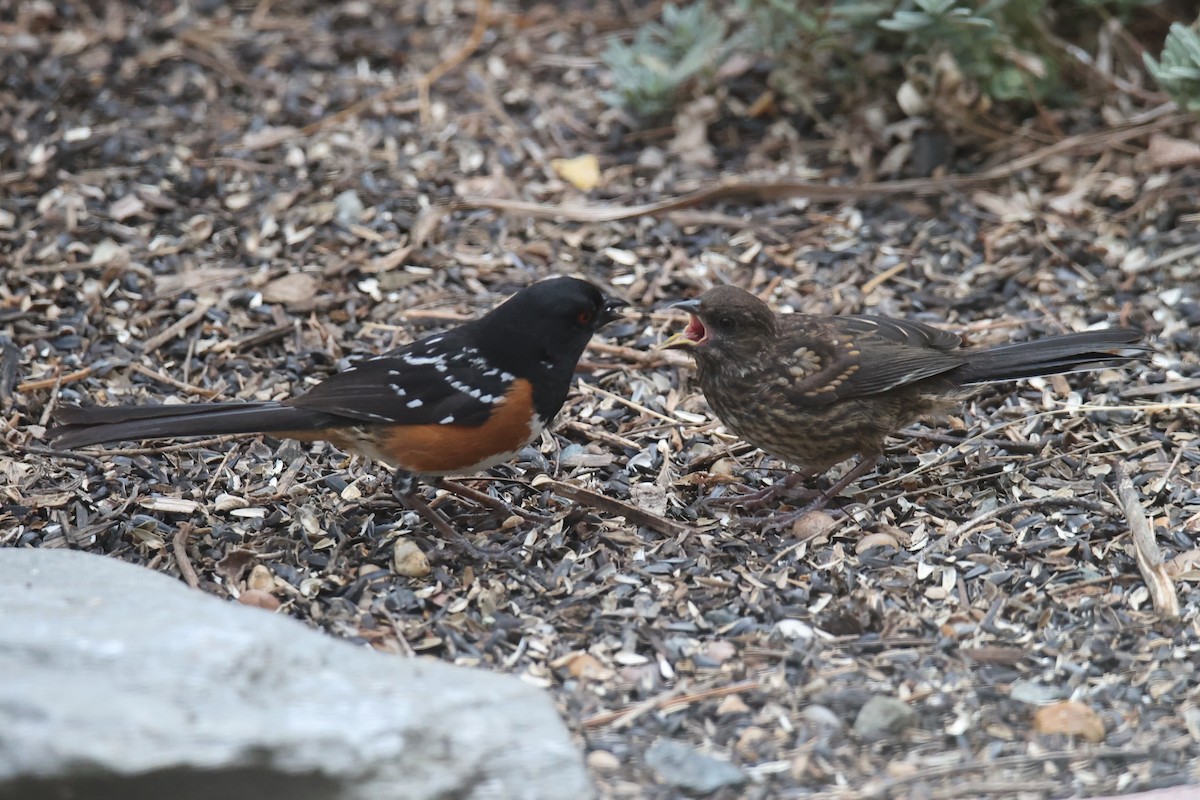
(817, 390)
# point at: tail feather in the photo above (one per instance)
(79, 427)
(1073, 352)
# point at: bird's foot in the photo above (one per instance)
(785, 521)
(786, 487)
(496, 504)
(404, 487)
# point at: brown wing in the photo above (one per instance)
(834, 358)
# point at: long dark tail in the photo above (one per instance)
(78, 427)
(1074, 352)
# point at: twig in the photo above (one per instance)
(483, 14)
(58, 380)
(179, 326)
(638, 516)
(762, 190)
(1149, 556)
(177, 384)
(673, 698)
(179, 548)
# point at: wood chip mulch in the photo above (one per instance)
(185, 212)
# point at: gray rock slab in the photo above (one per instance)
(119, 682)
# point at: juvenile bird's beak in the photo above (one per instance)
(690, 336)
(612, 309)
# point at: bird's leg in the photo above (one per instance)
(485, 499)
(404, 488)
(787, 486)
(864, 465)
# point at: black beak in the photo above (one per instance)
(612, 309)
(687, 305)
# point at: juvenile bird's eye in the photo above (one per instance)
(585, 317)
(726, 323)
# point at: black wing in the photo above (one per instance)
(442, 380)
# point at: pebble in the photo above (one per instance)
(603, 761)
(882, 717)
(685, 767)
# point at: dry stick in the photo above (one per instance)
(172, 382)
(671, 698)
(179, 326)
(763, 190)
(483, 13)
(638, 516)
(179, 548)
(58, 380)
(1149, 556)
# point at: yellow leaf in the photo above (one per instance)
(582, 172)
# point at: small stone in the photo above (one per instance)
(603, 761)
(408, 560)
(822, 718)
(685, 767)
(259, 599)
(349, 207)
(793, 629)
(812, 524)
(883, 716)
(724, 467)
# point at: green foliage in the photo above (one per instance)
(994, 44)
(1178, 70)
(649, 73)
(997, 50)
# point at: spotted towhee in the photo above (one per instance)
(817, 390)
(449, 404)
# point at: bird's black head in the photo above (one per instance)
(545, 326)
(728, 326)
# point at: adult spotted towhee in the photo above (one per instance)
(817, 390)
(450, 404)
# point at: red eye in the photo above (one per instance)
(584, 318)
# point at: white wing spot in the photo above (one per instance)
(446, 420)
(399, 390)
(415, 403)
(421, 361)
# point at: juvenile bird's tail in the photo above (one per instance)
(1074, 352)
(79, 427)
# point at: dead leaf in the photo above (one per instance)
(582, 172)
(1071, 718)
(234, 564)
(1167, 151)
(297, 291)
(582, 665)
